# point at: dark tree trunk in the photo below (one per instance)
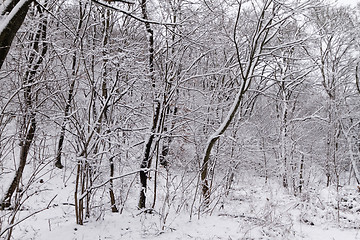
(258, 42)
(63, 127)
(301, 177)
(58, 162)
(36, 57)
(6, 202)
(111, 191)
(357, 78)
(15, 20)
(146, 162)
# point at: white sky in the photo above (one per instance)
(348, 2)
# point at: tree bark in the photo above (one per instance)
(36, 57)
(58, 162)
(146, 161)
(111, 191)
(6, 202)
(357, 78)
(301, 174)
(259, 38)
(13, 16)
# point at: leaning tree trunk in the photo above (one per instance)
(258, 41)
(6, 202)
(38, 51)
(12, 16)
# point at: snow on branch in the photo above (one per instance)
(132, 15)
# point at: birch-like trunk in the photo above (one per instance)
(283, 140)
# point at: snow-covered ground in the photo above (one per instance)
(252, 210)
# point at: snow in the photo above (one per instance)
(253, 210)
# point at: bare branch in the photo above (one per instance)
(28, 216)
(132, 15)
(87, 191)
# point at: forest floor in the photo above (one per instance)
(252, 211)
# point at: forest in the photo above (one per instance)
(179, 119)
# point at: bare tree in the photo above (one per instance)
(332, 57)
(261, 35)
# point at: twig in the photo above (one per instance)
(30, 215)
(131, 15)
(87, 191)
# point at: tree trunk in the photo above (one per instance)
(13, 16)
(283, 141)
(111, 191)
(259, 39)
(301, 174)
(36, 56)
(357, 78)
(6, 202)
(58, 162)
(146, 161)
